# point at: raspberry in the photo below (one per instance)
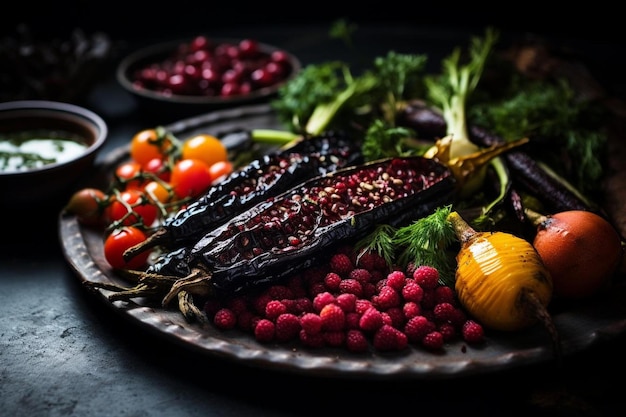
(396, 280)
(352, 320)
(290, 304)
(369, 289)
(418, 327)
(411, 309)
(458, 317)
(473, 332)
(244, 320)
(360, 274)
(316, 288)
(260, 302)
(371, 320)
(322, 299)
(274, 308)
(333, 317)
(225, 319)
(448, 331)
(388, 338)
(351, 286)
(237, 305)
(387, 297)
(303, 305)
(356, 341)
(311, 323)
(367, 260)
(278, 292)
(412, 291)
(433, 340)
(363, 305)
(287, 327)
(445, 294)
(341, 264)
(426, 276)
(313, 340)
(334, 338)
(332, 281)
(444, 313)
(264, 331)
(428, 299)
(397, 317)
(347, 302)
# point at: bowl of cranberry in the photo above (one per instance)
(205, 73)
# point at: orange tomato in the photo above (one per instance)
(148, 144)
(157, 192)
(206, 148)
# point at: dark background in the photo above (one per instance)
(128, 19)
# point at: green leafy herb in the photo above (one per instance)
(423, 242)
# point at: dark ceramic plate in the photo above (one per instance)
(581, 327)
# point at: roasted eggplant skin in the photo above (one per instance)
(232, 272)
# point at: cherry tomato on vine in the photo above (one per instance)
(147, 144)
(87, 205)
(190, 178)
(144, 210)
(206, 148)
(129, 174)
(157, 192)
(220, 169)
(116, 244)
(158, 167)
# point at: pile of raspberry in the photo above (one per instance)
(355, 303)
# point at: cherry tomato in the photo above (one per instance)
(220, 169)
(116, 244)
(158, 167)
(87, 206)
(144, 211)
(129, 174)
(157, 192)
(148, 144)
(190, 178)
(206, 148)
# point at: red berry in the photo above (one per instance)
(412, 291)
(274, 308)
(426, 276)
(351, 286)
(333, 317)
(225, 319)
(361, 275)
(473, 332)
(322, 299)
(264, 331)
(433, 340)
(311, 323)
(287, 327)
(396, 280)
(418, 327)
(371, 320)
(356, 341)
(388, 338)
(341, 264)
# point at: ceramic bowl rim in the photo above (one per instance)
(51, 109)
